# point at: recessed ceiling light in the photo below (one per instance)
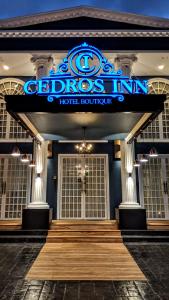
(161, 67)
(5, 67)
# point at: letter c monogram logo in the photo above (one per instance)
(83, 64)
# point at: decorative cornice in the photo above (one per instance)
(94, 34)
(84, 11)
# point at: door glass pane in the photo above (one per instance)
(165, 120)
(1, 183)
(167, 180)
(17, 188)
(3, 118)
(95, 197)
(70, 188)
(152, 181)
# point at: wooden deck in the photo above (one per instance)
(158, 225)
(10, 224)
(85, 261)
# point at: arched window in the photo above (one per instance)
(159, 128)
(9, 128)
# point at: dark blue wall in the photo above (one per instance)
(99, 148)
(144, 148)
(6, 148)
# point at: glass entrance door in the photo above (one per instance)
(14, 187)
(83, 187)
(154, 187)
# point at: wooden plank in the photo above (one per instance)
(158, 225)
(85, 261)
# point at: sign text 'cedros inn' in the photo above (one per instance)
(85, 76)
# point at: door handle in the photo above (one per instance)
(4, 191)
(164, 186)
(1, 188)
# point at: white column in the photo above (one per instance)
(42, 64)
(39, 178)
(125, 63)
(128, 175)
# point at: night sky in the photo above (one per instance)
(13, 8)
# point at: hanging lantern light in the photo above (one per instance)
(24, 158)
(84, 147)
(136, 163)
(153, 152)
(143, 158)
(32, 164)
(15, 152)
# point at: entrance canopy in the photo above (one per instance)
(64, 122)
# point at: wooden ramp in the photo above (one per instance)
(85, 261)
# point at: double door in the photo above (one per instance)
(83, 187)
(154, 187)
(14, 187)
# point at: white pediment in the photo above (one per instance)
(84, 11)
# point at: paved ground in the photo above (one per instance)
(15, 260)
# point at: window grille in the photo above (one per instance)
(9, 128)
(154, 183)
(15, 187)
(159, 128)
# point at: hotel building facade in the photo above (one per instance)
(103, 182)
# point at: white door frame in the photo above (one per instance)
(59, 183)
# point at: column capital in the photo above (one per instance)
(125, 62)
(42, 64)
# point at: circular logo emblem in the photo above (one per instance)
(85, 61)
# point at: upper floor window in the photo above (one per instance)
(159, 128)
(9, 128)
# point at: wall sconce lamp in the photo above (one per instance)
(38, 175)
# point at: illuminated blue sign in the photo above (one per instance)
(85, 77)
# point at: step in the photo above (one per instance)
(22, 238)
(79, 239)
(144, 233)
(10, 224)
(139, 238)
(84, 225)
(79, 221)
(19, 232)
(84, 233)
(81, 227)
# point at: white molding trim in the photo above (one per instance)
(78, 141)
(28, 123)
(84, 11)
(139, 124)
(81, 33)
